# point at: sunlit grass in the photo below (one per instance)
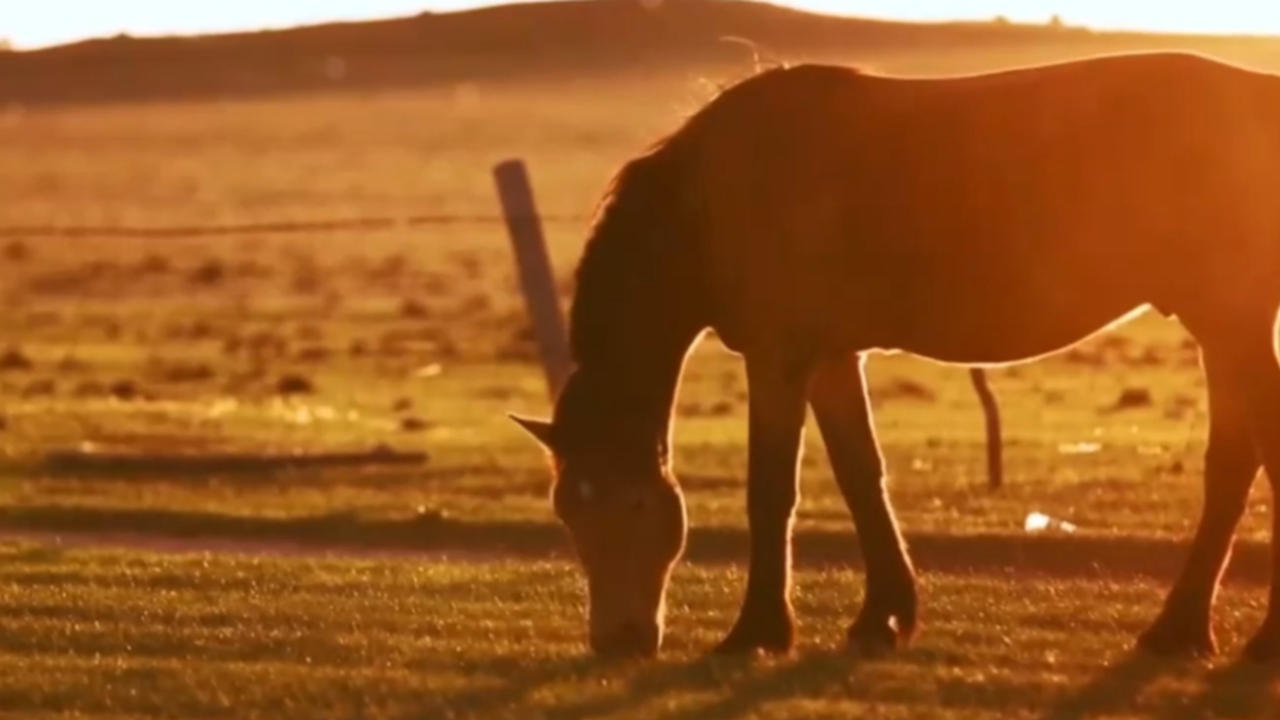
(200, 636)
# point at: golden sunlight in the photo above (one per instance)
(1223, 16)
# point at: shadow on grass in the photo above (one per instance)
(1112, 693)
(738, 686)
(1063, 556)
(1242, 689)
(715, 688)
(133, 465)
(1238, 690)
(520, 681)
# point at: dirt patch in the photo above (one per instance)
(1131, 398)
(294, 384)
(14, 359)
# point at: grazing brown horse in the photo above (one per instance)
(814, 214)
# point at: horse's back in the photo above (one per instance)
(1042, 199)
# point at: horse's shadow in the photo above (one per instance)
(706, 687)
(1240, 689)
(741, 686)
(520, 681)
(1114, 689)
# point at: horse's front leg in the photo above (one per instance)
(839, 399)
(775, 433)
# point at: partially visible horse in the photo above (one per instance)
(814, 214)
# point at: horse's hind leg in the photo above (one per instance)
(838, 396)
(1240, 351)
(1259, 381)
(1231, 464)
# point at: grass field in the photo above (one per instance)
(117, 635)
(414, 339)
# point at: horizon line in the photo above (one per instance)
(266, 28)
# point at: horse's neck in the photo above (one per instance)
(623, 401)
(638, 307)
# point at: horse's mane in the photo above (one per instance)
(640, 229)
(621, 237)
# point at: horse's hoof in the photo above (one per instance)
(744, 645)
(1264, 648)
(774, 637)
(873, 639)
(1175, 639)
(887, 622)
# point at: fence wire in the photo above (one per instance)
(277, 227)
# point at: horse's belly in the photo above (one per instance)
(968, 339)
(991, 324)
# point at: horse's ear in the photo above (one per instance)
(539, 429)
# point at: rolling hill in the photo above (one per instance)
(569, 38)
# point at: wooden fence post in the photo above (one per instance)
(536, 277)
(991, 413)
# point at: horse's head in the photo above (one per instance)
(628, 530)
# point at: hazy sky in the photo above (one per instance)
(34, 23)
